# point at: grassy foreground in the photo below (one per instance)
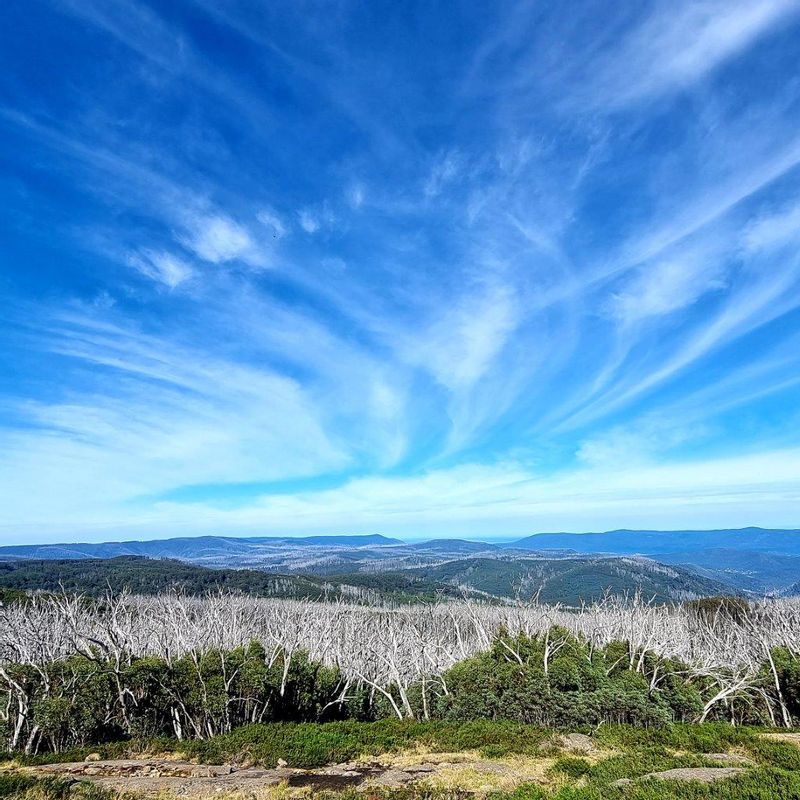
(621, 752)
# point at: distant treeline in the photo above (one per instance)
(140, 575)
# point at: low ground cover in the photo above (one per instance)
(492, 760)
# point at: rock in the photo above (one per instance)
(728, 758)
(92, 757)
(424, 767)
(701, 774)
(201, 772)
(282, 762)
(394, 778)
(577, 743)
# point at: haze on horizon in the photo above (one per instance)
(475, 271)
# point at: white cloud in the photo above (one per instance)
(313, 219)
(273, 222)
(157, 416)
(647, 439)
(218, 239)
(309, 221)
(679, 44)
(355, 195)
(445, 169)
(162, 267)
(460, 346)
(774, 230)
(668, 285)
(504, 499)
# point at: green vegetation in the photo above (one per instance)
(85, 699)
(569, 581)
(558, 680)
(140, 575)
(552, 680)
(28, 787)
(11, 595)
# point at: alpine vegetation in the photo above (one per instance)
(75, 670)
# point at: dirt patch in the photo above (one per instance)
(154, 777)
(466, 772)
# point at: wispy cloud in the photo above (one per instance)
(669, 284)
(460, 347)
(677, 45)
(273, 222)
(543, 274)
(161, 267)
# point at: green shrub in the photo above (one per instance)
(572, 767)
(573, 686)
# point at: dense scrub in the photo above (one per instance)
(560, 680)
(85, 699)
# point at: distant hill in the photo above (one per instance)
(572, 581)
(568, 581)
(753, 561)
(141, 575)
(191, 548)
(454, 546)
(625, 542)
(746, 570)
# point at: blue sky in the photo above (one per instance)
(412, 268)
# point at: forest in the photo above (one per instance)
(76, 670)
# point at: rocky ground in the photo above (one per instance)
(467, 771)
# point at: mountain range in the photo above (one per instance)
(562, 567)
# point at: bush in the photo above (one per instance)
(558, 680)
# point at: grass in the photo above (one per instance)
(28, 787)
(311, 744)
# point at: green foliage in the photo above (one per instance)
(557, 680)
(80, 700)
(551, 680)
(721, 609)
(9, 596)
(572, 767)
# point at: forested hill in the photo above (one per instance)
(568, 581)
(141, 575)
(655, 543)
(571, 580)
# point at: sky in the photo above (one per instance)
(419, 269)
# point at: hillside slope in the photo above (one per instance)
(141, 575)
(569, 581)
(628, 542)
(557, 581)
